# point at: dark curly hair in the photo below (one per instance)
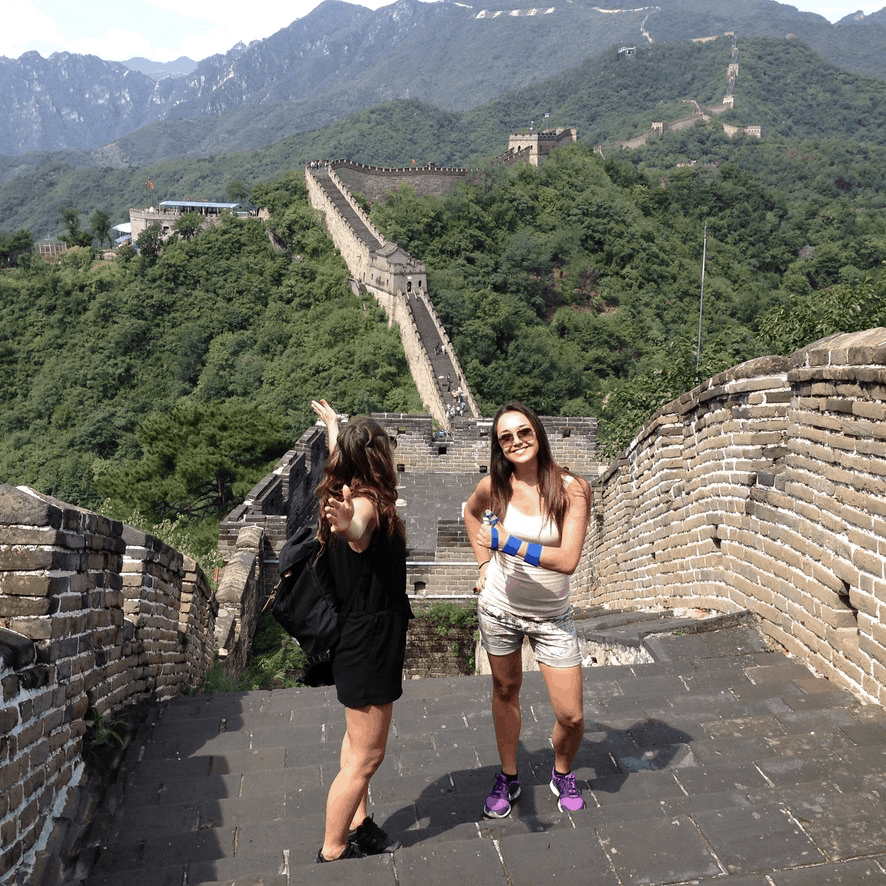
(363, 459)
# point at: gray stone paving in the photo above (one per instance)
(723, 764)
(427, 498)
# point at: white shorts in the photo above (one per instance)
(553, 640)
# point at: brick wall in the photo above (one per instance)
(434, 652)
(764, 489)
(94, 616)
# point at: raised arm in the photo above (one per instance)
(329, 417)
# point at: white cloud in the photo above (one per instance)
(21, 20)
(162, 30)
(835, 11)
(229, 22)
(224, 23)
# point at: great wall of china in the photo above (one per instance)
(762, 490)
(698, 112)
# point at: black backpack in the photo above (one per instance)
(304, 601)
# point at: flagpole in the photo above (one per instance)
(704, 251)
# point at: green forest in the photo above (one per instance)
(160, 386)
(577, 286)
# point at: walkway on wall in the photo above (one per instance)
(440, 356)
(718, 763)
(341, 203)
(439, 352)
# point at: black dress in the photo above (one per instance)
(368, 662)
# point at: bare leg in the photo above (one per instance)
(565, 689)
(362, 808)
(363, 750)
(507, 678)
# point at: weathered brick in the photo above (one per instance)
(11, 607)
(11, 773)
(33, 628)
(869, 562)
(27, 817)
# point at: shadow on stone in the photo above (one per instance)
(607, 758)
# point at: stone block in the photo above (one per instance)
(11, 607)
(20, 507)
(870, 562)
(25, 559)
(36, 629)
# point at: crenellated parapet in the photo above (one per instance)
(94, 617)
(539, 144)
(763, 490)
(376, 182)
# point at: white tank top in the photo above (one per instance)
(514, 586)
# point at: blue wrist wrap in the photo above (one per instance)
(494, 538)
(533, 554)
(512, 545)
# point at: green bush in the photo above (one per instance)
(453, 620)
(447, 617)
(276, 661)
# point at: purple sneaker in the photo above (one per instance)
(498, 803)
(568, 794)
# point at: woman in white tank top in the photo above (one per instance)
(527, 522)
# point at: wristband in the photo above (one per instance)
(512, 545)
(494, 538)
(533, 554)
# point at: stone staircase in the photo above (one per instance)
(439, 354)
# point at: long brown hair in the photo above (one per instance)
(554, 500)
(363, 459)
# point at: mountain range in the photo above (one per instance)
(804, 104)
(342, 58)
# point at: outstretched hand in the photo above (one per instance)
(340, 513)
(327, 414)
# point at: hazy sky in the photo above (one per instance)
(163, 30)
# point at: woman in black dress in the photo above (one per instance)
(360, 526)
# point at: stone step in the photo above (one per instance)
(724, 765)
